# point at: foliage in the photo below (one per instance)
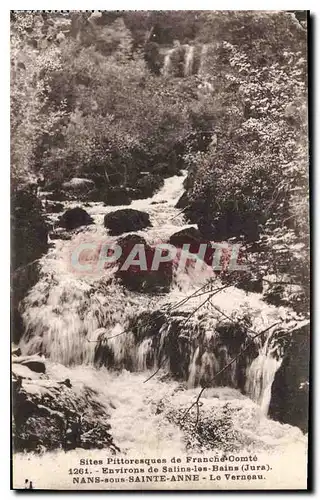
(259, 166)
(32, 114)
(88, 113)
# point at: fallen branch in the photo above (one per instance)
(181, 212)
(157, 370)
(174, 306)
(229, 318)
(207, 300)
(183, 301)
(187, 319)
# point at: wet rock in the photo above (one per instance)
(183, 201)
(144, 326)
(125, 220)
(75, 189)
(66, 382)
(16, 351)
(134, 193)
(75, 217)
(48, 414)
(60, 234)
(143, 281)
(189, 235)
(111, 195)
(57, 195)
(192, 236)
(78, 189)
(117, 196)
(188, 343)
(147, 324)
(23, 371)
(54, 208)
(34, 364)
(127, 243)
(248, 281)
(290, 389)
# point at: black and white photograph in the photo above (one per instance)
(160, 249)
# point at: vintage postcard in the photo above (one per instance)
(160, 250)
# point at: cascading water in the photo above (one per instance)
(78, 319)
(261, 374)
(185, 60)
(167, 64)
(87, 323)
(188, 60)
(65, 314)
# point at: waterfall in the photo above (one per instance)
(261, 374)
(86, 320)
(66, 316)
(144, 351)
(167, 65)
(188, 60)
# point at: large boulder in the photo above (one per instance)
(193, 237)
(117, 196)
(57, 195)
(126, 220)
(48, 413)
(112, 196)
(290, 389)
(183, 201)
(136, 279)
(190, 235)
(34, 363)
(53, 208)
(75, 217)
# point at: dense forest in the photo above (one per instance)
(108, 108)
